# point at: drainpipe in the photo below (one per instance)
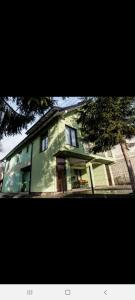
(31, 167)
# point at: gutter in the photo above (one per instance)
(42, 119)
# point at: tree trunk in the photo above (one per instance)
(129, 166)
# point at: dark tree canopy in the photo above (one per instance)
(107, 121)
(13, 121)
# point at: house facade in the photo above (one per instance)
(53, 158)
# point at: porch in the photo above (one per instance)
(81, 172)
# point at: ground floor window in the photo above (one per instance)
(79, 178)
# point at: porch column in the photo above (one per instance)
(68, 175)
(88, 174)
(109, 170)
(110, 175)
(106, 174)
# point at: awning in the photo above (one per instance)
(88, 158)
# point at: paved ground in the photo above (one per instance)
(98, 193)
(13, 195)
(98, 196)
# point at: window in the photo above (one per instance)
(44, 143)
(78, 173)
(17, 158)
(27, 149)
(67, 132)
(7, 167)
(130, 145)
(71, 136)
(109, 153)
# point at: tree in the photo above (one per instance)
(108, 121)
(17, 112)
(13, 121)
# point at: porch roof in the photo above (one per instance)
(88, 157)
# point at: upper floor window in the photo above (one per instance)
(17, 158)
(7, 166)
(130, 145)
(44, 143)
(27, 148)
(109, 153)
(71, 136)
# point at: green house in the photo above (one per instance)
(53, 158)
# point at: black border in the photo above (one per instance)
(67, 240)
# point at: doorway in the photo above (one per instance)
(25, 179)
(61, 174)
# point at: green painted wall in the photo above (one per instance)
(13, 175)
(100, 176)
(73, 176)
(12, 182)
(44, 163)
(84, 174)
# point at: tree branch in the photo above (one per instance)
(11, 108)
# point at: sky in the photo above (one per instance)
(8, 143)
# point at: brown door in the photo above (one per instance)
(61, 174)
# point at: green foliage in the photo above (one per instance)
(29, 105)
(12, 122)
(107, 121)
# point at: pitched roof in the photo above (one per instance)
(41, 123)
(51, 112)
(43, 119)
